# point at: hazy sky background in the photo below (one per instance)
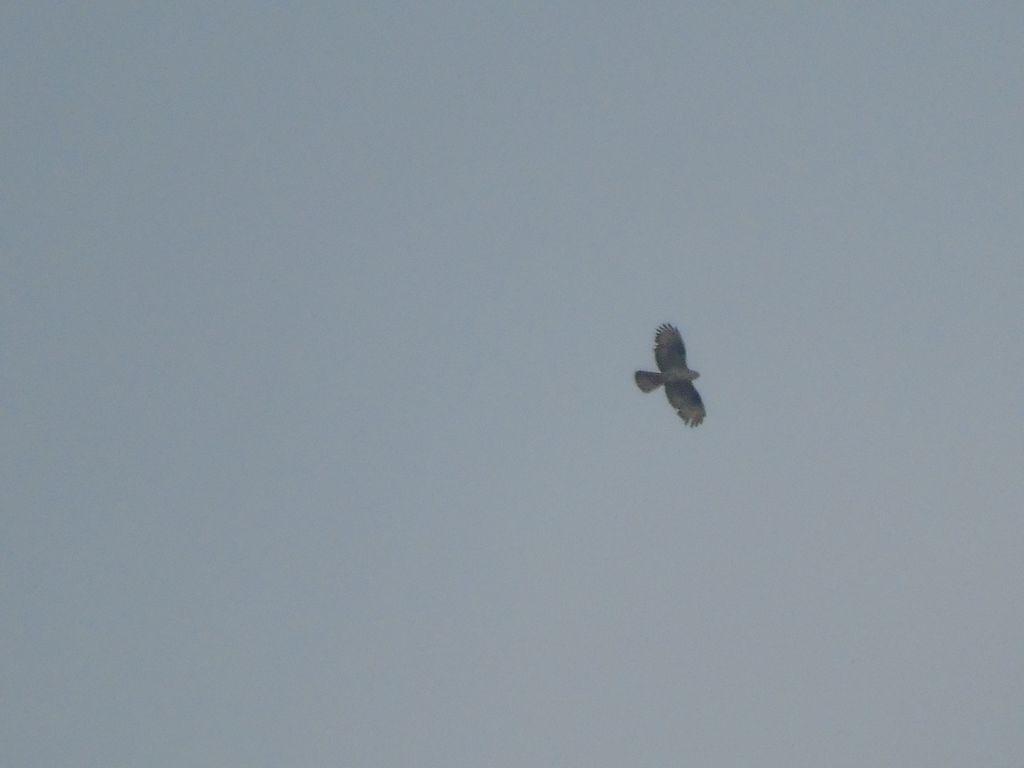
(320, 439)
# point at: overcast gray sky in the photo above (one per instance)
(320, 440)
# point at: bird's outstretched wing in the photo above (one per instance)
(686, 400)
(668, 348)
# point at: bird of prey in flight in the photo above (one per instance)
(670, 354)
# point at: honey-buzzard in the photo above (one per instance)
(670, 354)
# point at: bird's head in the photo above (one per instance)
(695, 375)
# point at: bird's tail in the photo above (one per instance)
(648, 380)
